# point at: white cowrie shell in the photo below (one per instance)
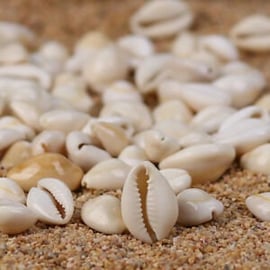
(51, 201)
(157, 146)
(259, 205)
(107, 133)
(211, 118)
(204, 162)
(48, 141)
(63, 120)
(196, 95)
(9, 136)
(109, 65)
(220, 46)
(137, 113)
(13, 53)
(252, 33)
(264, 102)
(82, 152)
(257, 160)
(172, 109)
(243, 88)
(149, 206)
(107, 174)
(13, 32)
(15, 217)
(194, 138)
(121, 91)
(132, 155)
(103, 214)
(245, 135)
(10, 190)
(197, 206)
(159, 19)
(137, 47)
(15, 154)
(248, 112)
(178, 179)
(27, 71)
(235, 67)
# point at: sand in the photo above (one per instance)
(236, 240)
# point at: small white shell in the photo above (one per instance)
(178, 179)
(257, 160)
(159, 19)
(103, 214)
(235, 67)
(51, 201)
(194, 138)
(63, 120)
(149, 206)
(107, 174)
(259, 205)
(9, 136)
(243, 88)
(252, 33)
(204, 162)
(15, 217)
(197, 206)
(82, 152)
(133, 155)
(10, 190)
(13, 53)
(48, 141)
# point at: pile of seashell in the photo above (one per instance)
(85, 120)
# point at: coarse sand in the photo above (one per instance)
(237, 240)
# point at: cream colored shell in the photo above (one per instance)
(15, 217)
(197, 206)
(204, 162)
(13, 53)
(103, 214)
(51, 201)
(149, 206)
(259, 205)
(133, 155)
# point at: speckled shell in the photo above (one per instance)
(149, 206)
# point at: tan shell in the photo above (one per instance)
(15, 217)
(264, 102)
(149, 206)
(103, 214)
(108, 174)
(204, 162)
(159, 19)
(51, 201)
(28, 172)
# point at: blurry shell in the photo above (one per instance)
(51, 201)
(10, 190)
(197, 206)
(15, 217)
(48, 141)
(252, 33)
(16, 153)
(149, 206)
(172, 109)
(63, 120)
(194, 138)
(244, 135)
(204, 162)
(264, 102)
(159, 19)
(9, 136)
(103, 214)
(243, 88)
(27, 173)
(257, 160)
(235, 67)
(178, 179)
(137, 113)
(107, 174)
(81, 151)
(132, 155)
(259, 205)
(13, 53)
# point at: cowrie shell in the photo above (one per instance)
(149, 206)
(133, 155)
(197, 206)
(204, 162)
(103, 214)
(51, 201)
(15, 217)
(259, 205)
